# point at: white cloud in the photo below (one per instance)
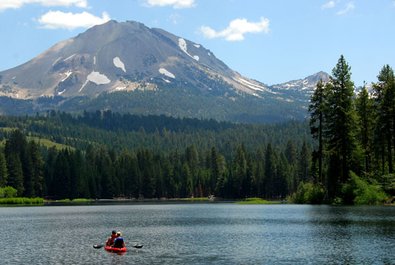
(348, 8)
(236, 29)
(328, 5)
(14, 4)
(173, 3)
(62, 20)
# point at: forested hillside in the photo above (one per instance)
(106, 155)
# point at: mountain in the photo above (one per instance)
(128, 67)
(301, 89)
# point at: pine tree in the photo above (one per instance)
(187, 175)
(304, 164)
(340, 129)
(37, 169)
(291, 155)
(3, 170)
(317, 110)
(18, 165)
(49, 171)
(385, 104)
(104, 165)
(15, 173)
(126, 173)
(240, 184)
(192, 160)
(270, 171)
(214, 170)
(365, 111)
(146, 166)
(60, 185)
(220, 188)
(259, 174)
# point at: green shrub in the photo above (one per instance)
(81, 200)
(8, 192)
(309, 193)
(359, 192)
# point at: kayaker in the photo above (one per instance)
(111, 239)
(118, 242)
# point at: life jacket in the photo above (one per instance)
(118, 243)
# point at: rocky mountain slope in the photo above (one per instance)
(129, 67)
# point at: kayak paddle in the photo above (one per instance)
(101, 245)
(98, 246)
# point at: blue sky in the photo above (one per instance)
(272, 41)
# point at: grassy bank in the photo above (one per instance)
(21, 201)
(77, 200)
(257, 201)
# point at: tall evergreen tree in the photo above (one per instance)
(365, 111)
(18, 166)
(304, 163)
(126, 172)
(60, 185)
(37, 170)
(146, 164)
(187, 175)
(270, 171)
(49, 171)
(214, 170)
(340, 129)
(105, 168)
(15, 173)
(3, 169)
(317, 110)
(259, 174)
(239, 173)
(385, 103)
(220, 188)
(290, 167)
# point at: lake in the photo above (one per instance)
(199, 233)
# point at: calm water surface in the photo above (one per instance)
(199, 234)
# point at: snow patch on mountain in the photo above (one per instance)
(250, 85)
(183, 46)
(61, 92)
(70, 57)
(197, 45)
(119, 64)
(98, 78)
(68, 73)
(57, 60)
(163, 71)
(83, 85)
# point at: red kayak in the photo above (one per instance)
(115, 250)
